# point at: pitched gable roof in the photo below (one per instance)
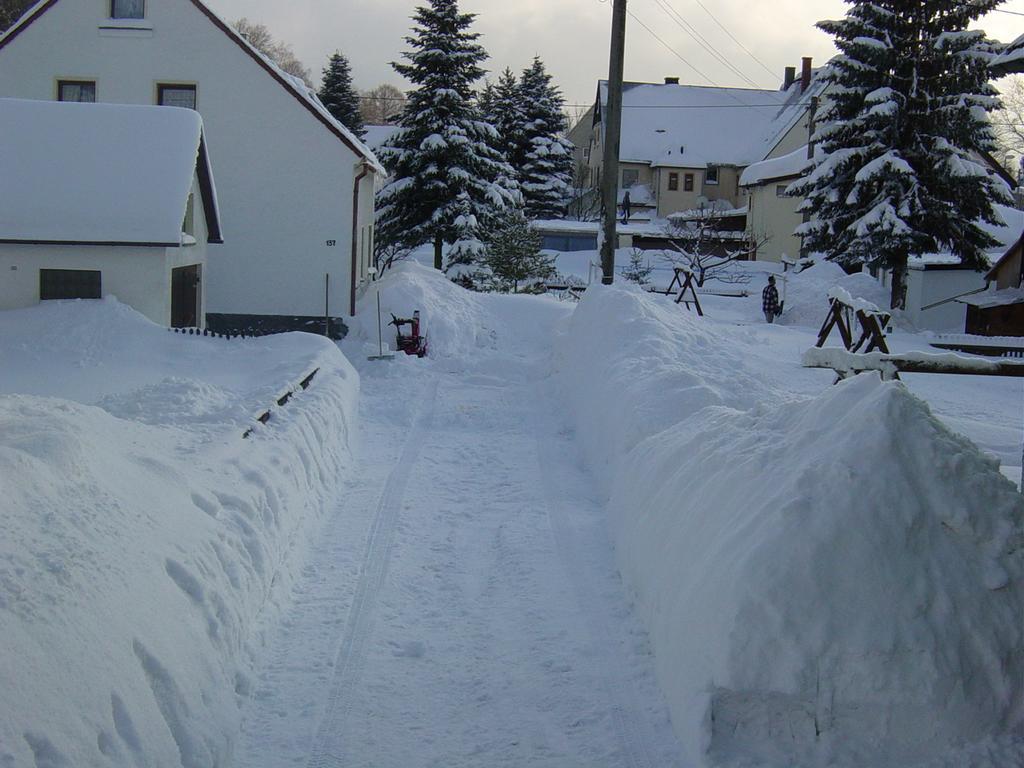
(303, 94)
(1010, 60)
(109, 174)
(690, 126)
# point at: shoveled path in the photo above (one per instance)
(461, 607)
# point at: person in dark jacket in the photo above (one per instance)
(770, 300)
(626, 205)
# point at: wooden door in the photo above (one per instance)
(185, 296)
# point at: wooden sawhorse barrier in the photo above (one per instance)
(687, 290)
(872, 323)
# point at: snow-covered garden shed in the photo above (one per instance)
(99, 199)
(939, 286)
(296, 187)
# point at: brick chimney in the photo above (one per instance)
(805, 74)
(671, 81)
(789, 78)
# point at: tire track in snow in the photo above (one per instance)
(327, 746)
(631, 728)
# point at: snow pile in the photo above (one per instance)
(828, 581)
(143, 543)
(807, 292)
(459, 324)
(632, 363)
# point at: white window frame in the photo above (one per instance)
(711, 175)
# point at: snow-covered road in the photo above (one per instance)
(461, 606)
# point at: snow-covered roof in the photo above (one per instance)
(783, 167)
(715, 209)
(377, 136)
(306, 95)
(989, 299)
(1011, 60)
(98, 173)
(656, 228)
(690, 126)
(1006, 234)
(797, 102)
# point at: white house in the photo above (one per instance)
(296, 187)
(100, 199)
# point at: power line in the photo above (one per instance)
(737, 105)
(679, 56)
(669, 47)
(702, 41)
(1012, 13)
(734, 39)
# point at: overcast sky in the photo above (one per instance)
(571, 36)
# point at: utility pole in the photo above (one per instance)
(612, 120)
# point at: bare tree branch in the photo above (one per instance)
(260, 38)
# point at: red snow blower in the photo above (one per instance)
(413, 344)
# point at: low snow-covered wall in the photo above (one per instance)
(143, 543)
(828, 581)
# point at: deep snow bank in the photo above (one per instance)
(632, 363)
(460, 324)
(832, 581)
(143, 543)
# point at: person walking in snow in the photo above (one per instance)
(626, 205)
(770, 300)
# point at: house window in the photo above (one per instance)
(780, 190)
(673, 182)
(630, 177)
(69, 284)
(76, 90)
(711, 175)
(128, 9)
(176, 96)
(688, 182)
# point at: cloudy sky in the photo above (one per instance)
(571, 36)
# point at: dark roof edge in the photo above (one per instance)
(25, 20)
(104, 243)
(241, 43)
(211, 209)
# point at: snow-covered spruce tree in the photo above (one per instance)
(514, 251)
(545, 172)
(908, 102)
(441, 156)
(502, 106)
(338, 95)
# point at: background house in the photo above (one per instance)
(296, 187)
(684, 147)
(102, 199)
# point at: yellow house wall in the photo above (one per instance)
(772, 221)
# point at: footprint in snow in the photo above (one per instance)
(413, 649)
